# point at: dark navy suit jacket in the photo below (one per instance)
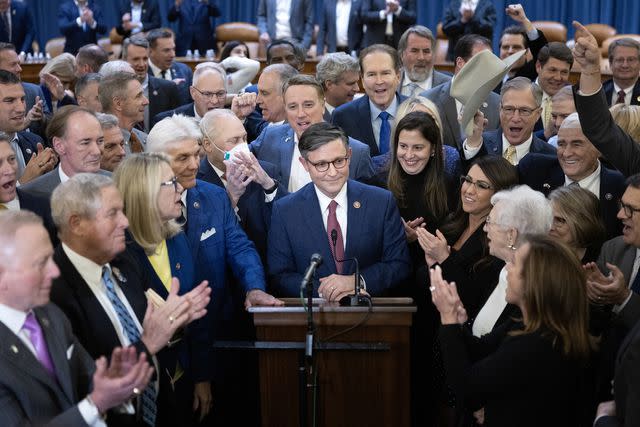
(608, 92)
(327, 24)
(180, 71)
(543, 173)
(194, 25)
(254, 212)
(41, 207)
(492, 145)
(370, 15)
(300, 20)
(76, 36)
(150, 16)
(28, 143)
(219, 246)
(355, 120)
(375, 236)
(23, 27)
(186, 110)
(276, 145)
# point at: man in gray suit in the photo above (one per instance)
(416, 53)
(48, 378)
(296, 22)
(77, 138)
(449, 108)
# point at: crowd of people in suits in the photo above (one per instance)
(144, 206)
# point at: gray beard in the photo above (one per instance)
(417, 76)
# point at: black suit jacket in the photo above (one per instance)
(254, 212)
(543, 173)
(327, 28)
(23, 28)
(41, 207)
(370, 15)
(608, 92)
(150, 16)
(186, 110)
(163, 96)
(483, 21)
(75, 36)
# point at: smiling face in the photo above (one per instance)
(577, 156)
(138, 58)
(413, 151)
(343, 90)
(304, 107)
(185, 160)
(476, 198)
(553, 75)
(379, 78)
(515, 127)
(498, 235)
(625, 64)
(113, 149)
(331, 181)
(12, 108)
(132, 107)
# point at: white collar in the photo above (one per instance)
(587, 181)
(12, 318)
(324, 200)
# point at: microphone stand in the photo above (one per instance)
(356, 299)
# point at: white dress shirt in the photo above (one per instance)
(283, 27)
(591, 182)
(341, 210)
(493, 308)
(376, 122)
(627, 94)
(343, 10)
(408, 85)
(157, 72)
(521, 150)
(298, 176)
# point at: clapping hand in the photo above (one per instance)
(445, 297)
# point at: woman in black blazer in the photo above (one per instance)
(532, 375)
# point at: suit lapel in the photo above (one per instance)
(132, 293)
(355, 218)
(194, 219)
(207, 173)
(451, 112)
(364, 112)
(286, 155)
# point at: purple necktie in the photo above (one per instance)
(621, 97)
(37, 339)
(337, 247)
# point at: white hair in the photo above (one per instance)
(571, 122)
(171, 130)
(207, 67)
(524, 209)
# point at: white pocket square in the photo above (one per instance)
(210, 232)
(70, 351)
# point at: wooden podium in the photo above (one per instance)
(363, 376)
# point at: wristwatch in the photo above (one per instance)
(273, 188)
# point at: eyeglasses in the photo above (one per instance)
(523, 111)
(630, 60)
(173, 181)
(480, 185)
(488, 222)
(222, 94)
(628, 210)
(324, 166)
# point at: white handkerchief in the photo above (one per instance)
(210, 232)
(70, 351)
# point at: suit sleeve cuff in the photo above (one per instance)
(79, 22)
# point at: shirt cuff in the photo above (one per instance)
(90, 414)
(383, 15)
(94, 25)
(533, 34)
(268, 198)
(581, 93)
(470, 152)
(397, 12)
(79, 21)
(618, 308)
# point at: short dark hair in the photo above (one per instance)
(298, 50)
(86, 80)
(93, 56)
(112, 86)
(633, 181)
(320, 134)
(625, 42)
(556, 50)
(57, 126)
(8, 78)
(515, 30)
(464, 46)
(303, 80)
(7, 46)
(158, 33)
(380, 48)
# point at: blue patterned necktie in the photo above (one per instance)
(133, 334)
(385, 132)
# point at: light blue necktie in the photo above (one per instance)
(385, 132)
(133, 334)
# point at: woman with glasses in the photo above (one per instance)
(461, 249)
(530, 373)
(151, 195)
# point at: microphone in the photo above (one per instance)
(356, 299)
(316, 261)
